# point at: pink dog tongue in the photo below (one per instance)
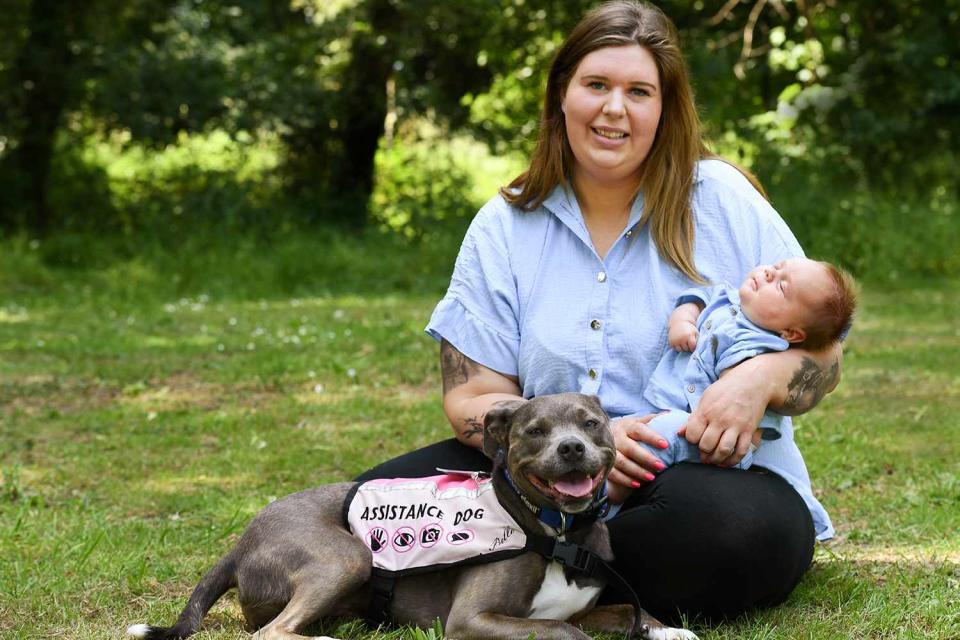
(577, 489)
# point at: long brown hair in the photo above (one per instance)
(667, 173)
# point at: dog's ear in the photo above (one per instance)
(496, 427)
(594, 401)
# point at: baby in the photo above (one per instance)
(796, 302)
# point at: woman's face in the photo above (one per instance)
(611, 109)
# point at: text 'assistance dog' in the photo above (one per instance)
(540, 553)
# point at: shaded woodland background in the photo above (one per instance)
(131, 124)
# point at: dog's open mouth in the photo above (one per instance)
(574, 485)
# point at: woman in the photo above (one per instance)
(565, 282)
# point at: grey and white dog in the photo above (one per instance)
(297, 563)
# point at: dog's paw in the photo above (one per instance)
(671, 633)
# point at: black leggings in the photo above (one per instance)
(700, 541)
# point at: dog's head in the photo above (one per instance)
(557, 448)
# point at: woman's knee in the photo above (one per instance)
(714, 541)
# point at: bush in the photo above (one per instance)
(423, 187)
(877, 235)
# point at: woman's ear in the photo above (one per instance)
(793, 336)
(496, 427)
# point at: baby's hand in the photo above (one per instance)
(682, 336)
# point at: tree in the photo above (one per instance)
(41, 76)
(875, 84)
(45, 80)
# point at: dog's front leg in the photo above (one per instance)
(496, 626)
(613, 618)
(618, 618)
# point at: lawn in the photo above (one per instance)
(147, 412)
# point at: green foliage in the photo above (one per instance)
(176, 80)
(859, 90)
(430, 183)
(129, 270)
(201, 183)
(878, 234)
(174, 117)
(421, 185)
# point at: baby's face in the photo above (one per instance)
(785, 296)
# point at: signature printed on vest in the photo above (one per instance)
(502, 538)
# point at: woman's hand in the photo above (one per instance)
(634, 464)
(724, 423)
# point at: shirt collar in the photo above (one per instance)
(562, 203)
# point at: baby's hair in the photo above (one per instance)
(833, 319)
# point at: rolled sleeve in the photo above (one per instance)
(478, 315)
(453, 322)
(699, 295)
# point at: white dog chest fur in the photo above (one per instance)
(559, 599)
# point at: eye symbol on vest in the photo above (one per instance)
(460, 537)
(430, 535)
(377, 539)
(404, 539)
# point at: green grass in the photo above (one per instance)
(152, 403)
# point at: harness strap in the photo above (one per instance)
(589, 564)
(381, 597)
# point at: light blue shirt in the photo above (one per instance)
(726, 338)
(530, 297)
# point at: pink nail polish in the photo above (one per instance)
(634, 484)
(649, 477)
(660, 466)
(662, 444)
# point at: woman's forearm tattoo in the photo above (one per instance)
(455, 367)
(809, 384)
(474, 427)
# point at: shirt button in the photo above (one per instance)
(708, 324)
(629, 232)
(602, 276)
(733, 311)
(691, 388)
(592, 373)
(594, 324)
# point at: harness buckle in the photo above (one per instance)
(573, 556)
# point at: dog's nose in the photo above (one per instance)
(571, 449)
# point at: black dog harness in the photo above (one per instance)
(421, 525)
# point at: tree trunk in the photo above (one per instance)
(365, 93)
(42, 77)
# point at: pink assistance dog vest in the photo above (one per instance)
(425, 524)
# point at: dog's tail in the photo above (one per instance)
(214, 584)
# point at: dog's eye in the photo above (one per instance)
(590, 424)
(535, 431)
